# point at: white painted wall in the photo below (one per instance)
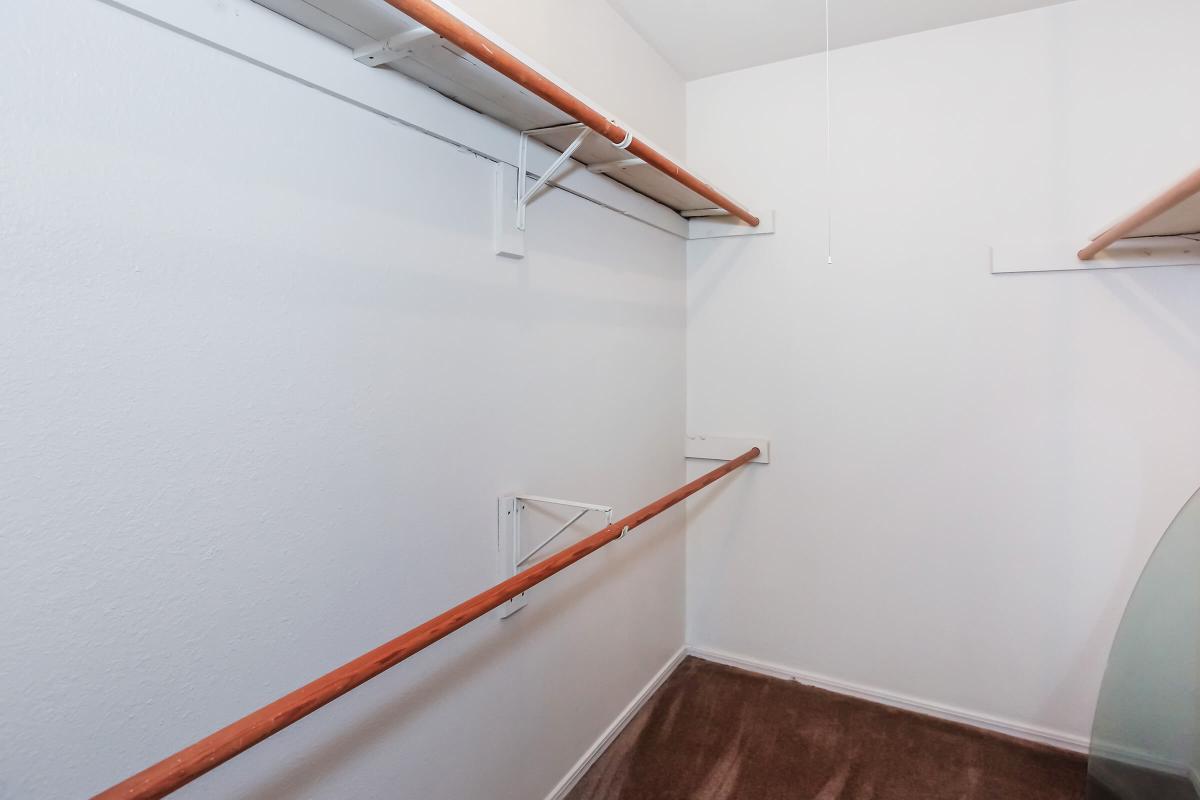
(590, 46)
(968, 471)
(261, 384)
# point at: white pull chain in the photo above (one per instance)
(828, 146)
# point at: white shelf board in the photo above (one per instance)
(1166, 251)
(723, 225)
(1182, 220)
(461, 77)
(1173, 212)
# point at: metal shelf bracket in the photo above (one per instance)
(512, 555)
(525, 195)
(394, 48)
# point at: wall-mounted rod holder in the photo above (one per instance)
(726, 448)
(512, 555)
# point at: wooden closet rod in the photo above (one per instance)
(450, 27)
(1156, 207)
(191, 762)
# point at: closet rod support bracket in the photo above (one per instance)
(524, 195)
(394, 48)
(514, 555)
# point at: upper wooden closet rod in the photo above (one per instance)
(190, 763)
(449, 27)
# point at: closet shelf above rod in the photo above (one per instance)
(1175, 212)
(443, 50)
(656, 176)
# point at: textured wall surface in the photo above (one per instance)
(968, 471)
(261, 383)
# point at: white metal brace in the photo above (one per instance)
(512, 557)
(523, 195)
(393, 48)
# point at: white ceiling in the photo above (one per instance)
(706, 37)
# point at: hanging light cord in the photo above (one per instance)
(828, 146)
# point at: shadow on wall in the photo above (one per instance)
(444, 296)
(1168, 301)
(721, 263)
(302, 773)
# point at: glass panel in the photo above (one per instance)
(1146, 738)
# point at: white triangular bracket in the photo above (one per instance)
(525, 195)
(394, 48)
(513, 554)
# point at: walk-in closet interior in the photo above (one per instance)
(600, 400)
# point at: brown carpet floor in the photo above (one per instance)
(717, 733)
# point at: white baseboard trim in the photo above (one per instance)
(1063, 741)
(1194, 774)
(612, 731)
